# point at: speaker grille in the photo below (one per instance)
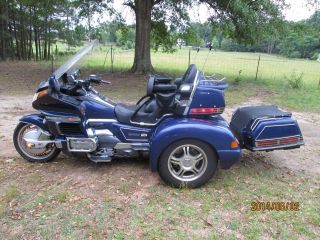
(70, 129)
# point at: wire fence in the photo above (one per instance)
(236, 66)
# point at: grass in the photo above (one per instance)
(10, 194)
(273, 75)
(220, 209)
(272, 86)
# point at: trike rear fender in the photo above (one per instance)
(35, 119)
(214, 131)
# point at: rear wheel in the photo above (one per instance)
(188, 162)
(33, 144)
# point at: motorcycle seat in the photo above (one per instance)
(146, 114)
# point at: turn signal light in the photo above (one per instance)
(234, 144)
(206, 110)
(40, 94)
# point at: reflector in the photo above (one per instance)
(206, 110)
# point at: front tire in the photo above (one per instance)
(45, 154)
(188, 162)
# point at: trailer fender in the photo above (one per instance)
(214, 132)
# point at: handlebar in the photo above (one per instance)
(96, 80)
(75, 87)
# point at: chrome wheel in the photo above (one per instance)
(35, 143)
(187, 162)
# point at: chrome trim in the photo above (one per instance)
(258, 120)
(103, 132)
(300, 143)
(268, 139)
(151, 124)
(195, 85)
(90, 132)
(120, 146)
(58, 144)
(63, 119)
(133, 146)
(94, 141)
(34, 137)
(102, 120)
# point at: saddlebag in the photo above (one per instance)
(265, 128)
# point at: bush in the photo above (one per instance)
(295, 54)
(238, 78)
(295, 80)
(315, 56)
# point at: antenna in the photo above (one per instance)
(205, 61)
(210, 47)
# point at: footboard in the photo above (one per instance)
(265, 128)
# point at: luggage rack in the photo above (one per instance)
(215, 80)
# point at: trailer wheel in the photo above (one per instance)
(189, 163)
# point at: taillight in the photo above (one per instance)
(276, 142)
(197, 111)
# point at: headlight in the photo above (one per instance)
(40, 94)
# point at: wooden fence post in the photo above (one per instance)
(51, 63)
(258, 68)
(189, 57)
(112, 58)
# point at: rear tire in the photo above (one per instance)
(188, 162)
(49, 153)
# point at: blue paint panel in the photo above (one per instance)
(127, 133)
(208, 98)
(35, 119)
(229, 157)
(93, 109)
(276, 129)
(58, 114)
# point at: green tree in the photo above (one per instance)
(244, 20)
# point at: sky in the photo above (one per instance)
(297, 11)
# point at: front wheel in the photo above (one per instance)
(33, 144)
(188, 162)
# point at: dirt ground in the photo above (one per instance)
(305, 159)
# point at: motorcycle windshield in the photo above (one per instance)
(74, 59)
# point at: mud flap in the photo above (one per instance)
(265, 128)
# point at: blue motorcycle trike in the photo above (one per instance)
(177, 124)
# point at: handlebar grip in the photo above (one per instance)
(106, 82)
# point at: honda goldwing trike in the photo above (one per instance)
(177, 124)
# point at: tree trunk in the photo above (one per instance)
(3, 27)
(36, 42)
(45, 39)
(30, 36)
(142, 58)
